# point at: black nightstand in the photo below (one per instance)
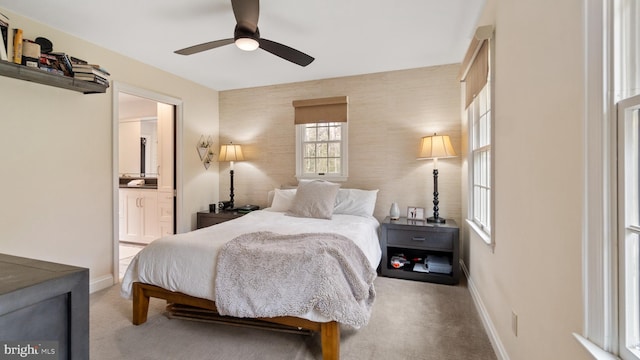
(419, 239)
(206, 218)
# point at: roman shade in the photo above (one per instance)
(331, 109)
(475, 67)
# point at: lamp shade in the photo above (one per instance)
(230, 152)
(436, 146)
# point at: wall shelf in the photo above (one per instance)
(42, 77)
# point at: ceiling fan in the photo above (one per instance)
(247, 36)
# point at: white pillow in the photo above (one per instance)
(282, 200)
(356, 202)
(314, 199)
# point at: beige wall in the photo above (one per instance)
(388, 114)
(56, 160)
(535, 270)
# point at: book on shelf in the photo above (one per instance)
(92, 78)
(64, 62)
(52, 70)
(17, 46)
(48, 59)
(75, 60)
(90, 69)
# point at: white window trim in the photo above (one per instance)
(599, 281)
(344, 151)
(594, 350)
(624, 227)
(479, 231)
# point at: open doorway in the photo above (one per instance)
(146, 186)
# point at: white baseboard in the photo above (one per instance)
(100, 283)
(499, 349)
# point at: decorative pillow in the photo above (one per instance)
(314, 199)
(356, 202)
(282, 199)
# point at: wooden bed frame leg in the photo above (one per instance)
(329, 331)
(330, 340)
(140, 305)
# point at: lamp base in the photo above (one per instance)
(437, 220)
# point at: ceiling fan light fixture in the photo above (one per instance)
(247, 43)
(246, 36)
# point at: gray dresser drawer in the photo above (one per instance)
(422, 239)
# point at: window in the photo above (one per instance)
(321, 138)
(611, 229)
(476, 71)
(479, 115)
(626, 79)
(629, 226)
(321, 151)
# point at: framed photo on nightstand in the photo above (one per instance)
(415, 213)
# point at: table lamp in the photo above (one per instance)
(435, 147)
(230, 152)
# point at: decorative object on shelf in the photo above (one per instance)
(435, 147)
(46, 46)
(4, 37)
(231, 152)
(415, 213)
(30, 53)
(394, 212)
(205, 150)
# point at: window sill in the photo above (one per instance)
(594, 350)
(481, 233)
(327, 178)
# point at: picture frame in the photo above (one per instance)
(415, 213)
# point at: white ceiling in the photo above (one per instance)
(347, 37)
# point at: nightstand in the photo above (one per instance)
(417, 239)
(206, 218)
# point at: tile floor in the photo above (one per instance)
(127, 252)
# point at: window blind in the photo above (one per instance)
(331, 109)
(475, 67)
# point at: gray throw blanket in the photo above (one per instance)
(264, 274)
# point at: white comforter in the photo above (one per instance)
(186, 262)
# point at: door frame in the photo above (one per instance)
(120, 87)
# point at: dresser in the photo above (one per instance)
(44, 303)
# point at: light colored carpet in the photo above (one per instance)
(410, 320)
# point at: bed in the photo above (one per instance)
(189, 269)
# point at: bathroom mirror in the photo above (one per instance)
(138, 147)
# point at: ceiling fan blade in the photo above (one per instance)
(286, 52)
(203, 47)
(246, 13)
